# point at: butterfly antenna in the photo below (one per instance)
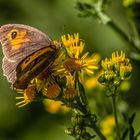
(63, 30)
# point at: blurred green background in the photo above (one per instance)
(56, 17)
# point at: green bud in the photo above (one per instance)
(80, 130)
(87, 136)
(117, 81)
(116, 67)
(125, 71)
(69, 131)
(107, 64)
(77, 120)
(101, 79)
(109, 76)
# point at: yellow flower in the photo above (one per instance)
(51, 89)
(55, 106)
(116, 58)
(29, 95)
(73, 45)
(55, 42)
(57, 67)
(48, 87)
(108, 126)
(75, 62)
(69, 93)
(89, 64)
(70, 80)
(107, 64)
(115, 69)
(125, 71)
(91, 83)
(38, 84)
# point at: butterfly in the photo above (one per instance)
(27, 52)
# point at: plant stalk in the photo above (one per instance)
(93, 124)
(132, 45)
(85, 109)
(115, 114)
(97, 130)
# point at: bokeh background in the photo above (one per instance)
(57, 17)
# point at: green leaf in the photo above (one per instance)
(138, 134)
(94, 8)
(124, 134)
(131, 129)
(82, 93)
(131, 133)
(131, 119)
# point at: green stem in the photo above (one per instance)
(115, 114)
(88, 114)
(97, 130)
(93, 123)
(124, 36)
(84, 107)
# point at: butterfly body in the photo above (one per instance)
(27, 52)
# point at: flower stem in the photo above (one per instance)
(97, 130)
(82, 104)
(132, 45)
(92, 122)
(115, 114)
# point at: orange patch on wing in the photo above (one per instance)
(20, 38)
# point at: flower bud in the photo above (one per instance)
(77, 120)
(125, 71)
(70, 131)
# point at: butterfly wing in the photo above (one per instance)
(25, 41)
(35, 64)
(18, 42)
(9, 70)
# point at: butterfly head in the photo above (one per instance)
(12, 38)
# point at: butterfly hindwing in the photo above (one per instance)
(9, 70)
(37, 62)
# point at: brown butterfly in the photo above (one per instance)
(27, 52)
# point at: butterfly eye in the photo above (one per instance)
(13, 34)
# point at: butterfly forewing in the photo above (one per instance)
(27, 52)
(27, 41)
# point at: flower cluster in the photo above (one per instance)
(75, 60)
(59, 82)
(115, 69)
(54, 107)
